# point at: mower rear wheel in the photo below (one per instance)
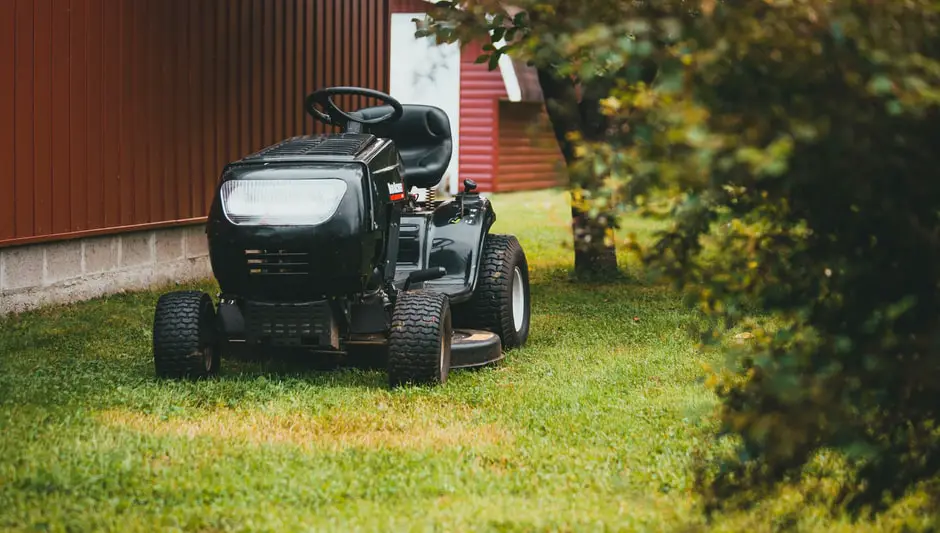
(184, 336)
(500, 302)
(420, 339)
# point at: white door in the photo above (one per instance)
(425, 73)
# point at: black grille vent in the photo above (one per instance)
(344, 144)
(298, 324)
(409, 245)
(277, 263)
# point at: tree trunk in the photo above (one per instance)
(595, 256)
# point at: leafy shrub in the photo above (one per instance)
(797, 146)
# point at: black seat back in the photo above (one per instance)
(423, 138)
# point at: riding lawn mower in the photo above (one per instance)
(318, 245)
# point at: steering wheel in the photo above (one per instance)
(324, 97)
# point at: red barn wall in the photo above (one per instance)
(119, 114)
(480, 91)
(410, 6)
(528, 156)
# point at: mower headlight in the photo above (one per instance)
(294, 202)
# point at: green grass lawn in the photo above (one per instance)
(593, 426)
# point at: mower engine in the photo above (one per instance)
(299, 232)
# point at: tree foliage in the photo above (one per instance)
(796, 144)
(795, 147)
(573, 103)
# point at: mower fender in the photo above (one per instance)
(451, 238)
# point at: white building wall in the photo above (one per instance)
(425, 73)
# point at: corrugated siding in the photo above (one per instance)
(528, 156)
(7, 126)
(410, 6)
(119, 114)
(480, 90)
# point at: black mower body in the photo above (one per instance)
(306, 262)
(309, 285)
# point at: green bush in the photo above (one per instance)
(797, 146)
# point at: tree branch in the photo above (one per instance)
(594, 123)
(561, 103)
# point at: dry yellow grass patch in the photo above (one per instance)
(416, 427)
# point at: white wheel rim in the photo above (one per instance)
(518, 300)
(442, 355)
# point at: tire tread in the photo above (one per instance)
(176, 335)
(418, 321)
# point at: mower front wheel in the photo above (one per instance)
(185, 341)
(419, 343)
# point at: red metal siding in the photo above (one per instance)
(24, 124)
(528, 156)
(480, 89)
(120, 114)
(410, 6)
(94, 112)
(7, 109)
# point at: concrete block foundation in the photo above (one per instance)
(37, 275)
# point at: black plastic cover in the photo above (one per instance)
(285, 263)
(451, 236)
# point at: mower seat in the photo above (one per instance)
(423, 138)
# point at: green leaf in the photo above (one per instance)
(498, 34)
(494, 61)
(880, 85)
(482, 59)
(837, 30)
(670, 78)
